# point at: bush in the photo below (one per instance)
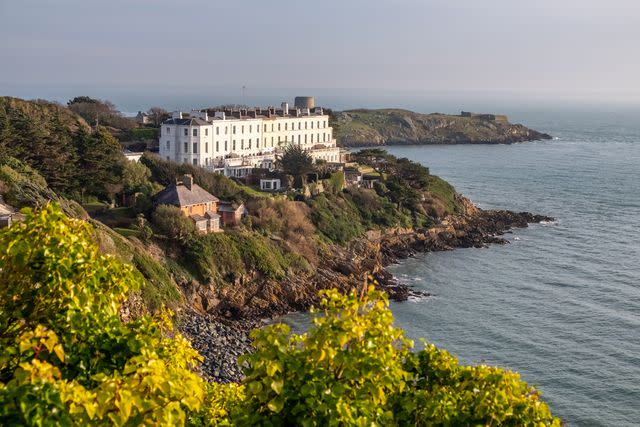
(67, 357)
(171, 222)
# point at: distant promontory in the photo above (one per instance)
(364, 127)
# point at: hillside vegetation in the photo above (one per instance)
(364, 127)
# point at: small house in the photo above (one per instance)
(270, 184)
(194, 202)
(231, 214)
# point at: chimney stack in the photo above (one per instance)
(187, 181)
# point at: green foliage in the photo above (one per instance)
(342, 372)
(136, 178)
(67, 357)
(22, 186)
(445, 393)
(336, 218)
(172, 222)
(296, 161)
(354, 368)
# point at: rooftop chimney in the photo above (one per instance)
(187, 181)
(176, 115)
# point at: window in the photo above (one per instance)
(186, 147)
(265, 128)
(311, 138)
(242, 129)
(278, 126)
(318, 124)
(225, 146)
(226, 130)
(299, 137)
(168, 130)
(184, 160)
(305, 124)
(195, 147)
(186, 132)
(305, 138)
(271, 127)
(278, 139)
(206, 147)
(242, 144)
(234, 130)
(168, 158)
(217, 146)
(249, 144)
(311, 125)
(318, 138)
(234, 145)
(168, 145)
(217, 130)
(285, 126)
(299, 125)
(206, 132)
(195, 161)
(195, 132)
(249, 128)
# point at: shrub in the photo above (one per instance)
(67, 357)
(171, 222)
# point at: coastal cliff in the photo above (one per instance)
(364, 127)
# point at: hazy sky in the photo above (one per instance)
(564, 49)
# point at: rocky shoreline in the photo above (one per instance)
(221, 338)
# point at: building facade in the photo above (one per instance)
(235, 141)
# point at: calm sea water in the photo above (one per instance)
(561, 303)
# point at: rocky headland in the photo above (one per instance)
(363, 128)
(222, 337)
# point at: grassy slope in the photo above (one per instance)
(375, 127)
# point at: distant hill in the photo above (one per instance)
(363, 127)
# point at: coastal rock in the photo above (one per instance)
(362, 127)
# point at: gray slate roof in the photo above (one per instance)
(179, 195)
(186, 122)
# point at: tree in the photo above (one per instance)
(67, 358)
(158, 115)
(102, 161)
(296, 161)
(170, 221)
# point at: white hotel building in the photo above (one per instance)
(235, 141)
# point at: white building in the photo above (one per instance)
(235, 141)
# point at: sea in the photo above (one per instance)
(560, 304)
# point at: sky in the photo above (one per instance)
(579, 51)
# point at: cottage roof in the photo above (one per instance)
(179, 195)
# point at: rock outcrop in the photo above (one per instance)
(358, 128)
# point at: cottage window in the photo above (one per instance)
(195, 147)
(195, 132)
(186, 132)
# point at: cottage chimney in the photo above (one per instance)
(187, 181)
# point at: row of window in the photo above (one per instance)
(286, 127)
(242, 147)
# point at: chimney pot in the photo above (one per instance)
(187, 181)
